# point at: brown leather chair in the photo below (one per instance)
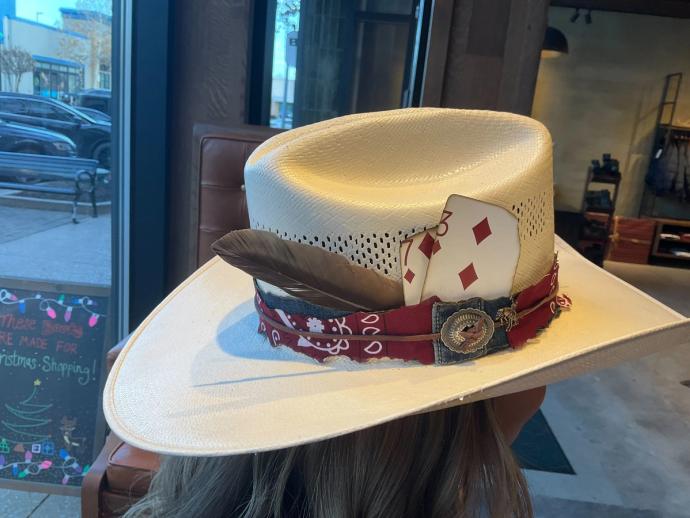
(121, 474)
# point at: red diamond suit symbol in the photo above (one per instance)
(478, 247)
(414, 259)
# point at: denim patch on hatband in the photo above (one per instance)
(298, 306)
(443, 310)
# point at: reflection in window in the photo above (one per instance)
(332, 58)
(284, 63)
(381, 61)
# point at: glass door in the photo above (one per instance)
(333, 58)
(383, 53)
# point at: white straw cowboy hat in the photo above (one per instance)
(225, 365)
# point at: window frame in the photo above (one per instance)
(147, 152)
(20, 102)
(260, 55)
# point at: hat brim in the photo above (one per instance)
(197, 379)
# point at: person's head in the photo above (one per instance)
(449, 463)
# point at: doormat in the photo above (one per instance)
(537, 448)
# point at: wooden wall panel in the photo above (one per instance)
(207, 84)
(524, 39)
(493, 54)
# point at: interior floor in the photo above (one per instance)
(625, 430)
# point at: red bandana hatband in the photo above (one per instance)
(430, 332)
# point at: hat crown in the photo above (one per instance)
(359, 185)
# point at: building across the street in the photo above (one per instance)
(66, 59)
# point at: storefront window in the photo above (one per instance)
(56, 80)
(56, 192)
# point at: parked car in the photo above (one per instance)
(18, 138)
(96, 99)
(91, 137)
(96, 115)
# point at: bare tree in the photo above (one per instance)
(94, 49)
(14, 63)
(288, 14)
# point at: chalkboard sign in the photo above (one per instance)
(51, 346)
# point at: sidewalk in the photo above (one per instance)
(20, 504)
(45, 245)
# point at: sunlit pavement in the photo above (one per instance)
(23, 504)
(44, 245)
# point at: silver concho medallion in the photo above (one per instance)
(467, 331)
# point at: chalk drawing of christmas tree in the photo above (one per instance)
(27, 423)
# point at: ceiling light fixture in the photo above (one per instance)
(555, 43)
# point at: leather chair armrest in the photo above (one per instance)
(95, 479)
(130, 470)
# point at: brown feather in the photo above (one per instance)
(308, 272)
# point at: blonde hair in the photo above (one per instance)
(449, 463)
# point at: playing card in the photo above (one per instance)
(475, 253)
(415, 253)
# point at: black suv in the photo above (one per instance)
(91, 137)
(96, 99)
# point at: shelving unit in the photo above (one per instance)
(595, 247)
(662, 247)
(672, 214)
(654, 204)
